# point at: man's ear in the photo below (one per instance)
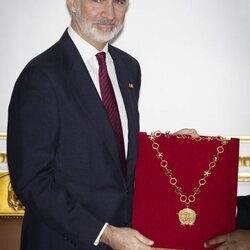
(71, 5)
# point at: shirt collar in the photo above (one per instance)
(86, 50)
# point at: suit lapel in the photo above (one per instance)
(130, 106)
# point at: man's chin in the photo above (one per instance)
(104, 37)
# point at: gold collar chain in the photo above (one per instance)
(187, 216)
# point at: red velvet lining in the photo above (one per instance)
(156, 204)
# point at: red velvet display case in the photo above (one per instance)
(156, 202)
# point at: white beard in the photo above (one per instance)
(94, 33)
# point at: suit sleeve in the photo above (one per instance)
(33, 134)
(243, 214)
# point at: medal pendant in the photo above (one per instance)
(187, 217)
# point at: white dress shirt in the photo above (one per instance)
(88, 54)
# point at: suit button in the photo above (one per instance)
(126, 191)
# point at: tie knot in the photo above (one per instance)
(101, 58)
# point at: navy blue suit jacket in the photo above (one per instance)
(62, 153)
(243, 214)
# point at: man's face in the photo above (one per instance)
(100, 20)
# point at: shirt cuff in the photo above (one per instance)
(97, 240)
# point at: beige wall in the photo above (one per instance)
(194, 54)
(195, 58)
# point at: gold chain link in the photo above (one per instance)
(187, 199)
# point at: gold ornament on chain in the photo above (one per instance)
(187, 216)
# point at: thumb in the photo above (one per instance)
(217, 240)
(144, 239)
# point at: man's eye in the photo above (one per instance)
(97, 1)
(120, 1)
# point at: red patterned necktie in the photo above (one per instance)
(110, 104)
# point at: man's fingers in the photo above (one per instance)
(187, 131)
(217, 240)
(144, 239)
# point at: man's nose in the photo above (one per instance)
(109, 11)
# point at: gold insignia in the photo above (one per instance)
(131, 85)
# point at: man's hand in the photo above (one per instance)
(239, 239)
(125, 239)
(187, 131)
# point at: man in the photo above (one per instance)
(239, 239)
(65, 154)
(69, 133)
